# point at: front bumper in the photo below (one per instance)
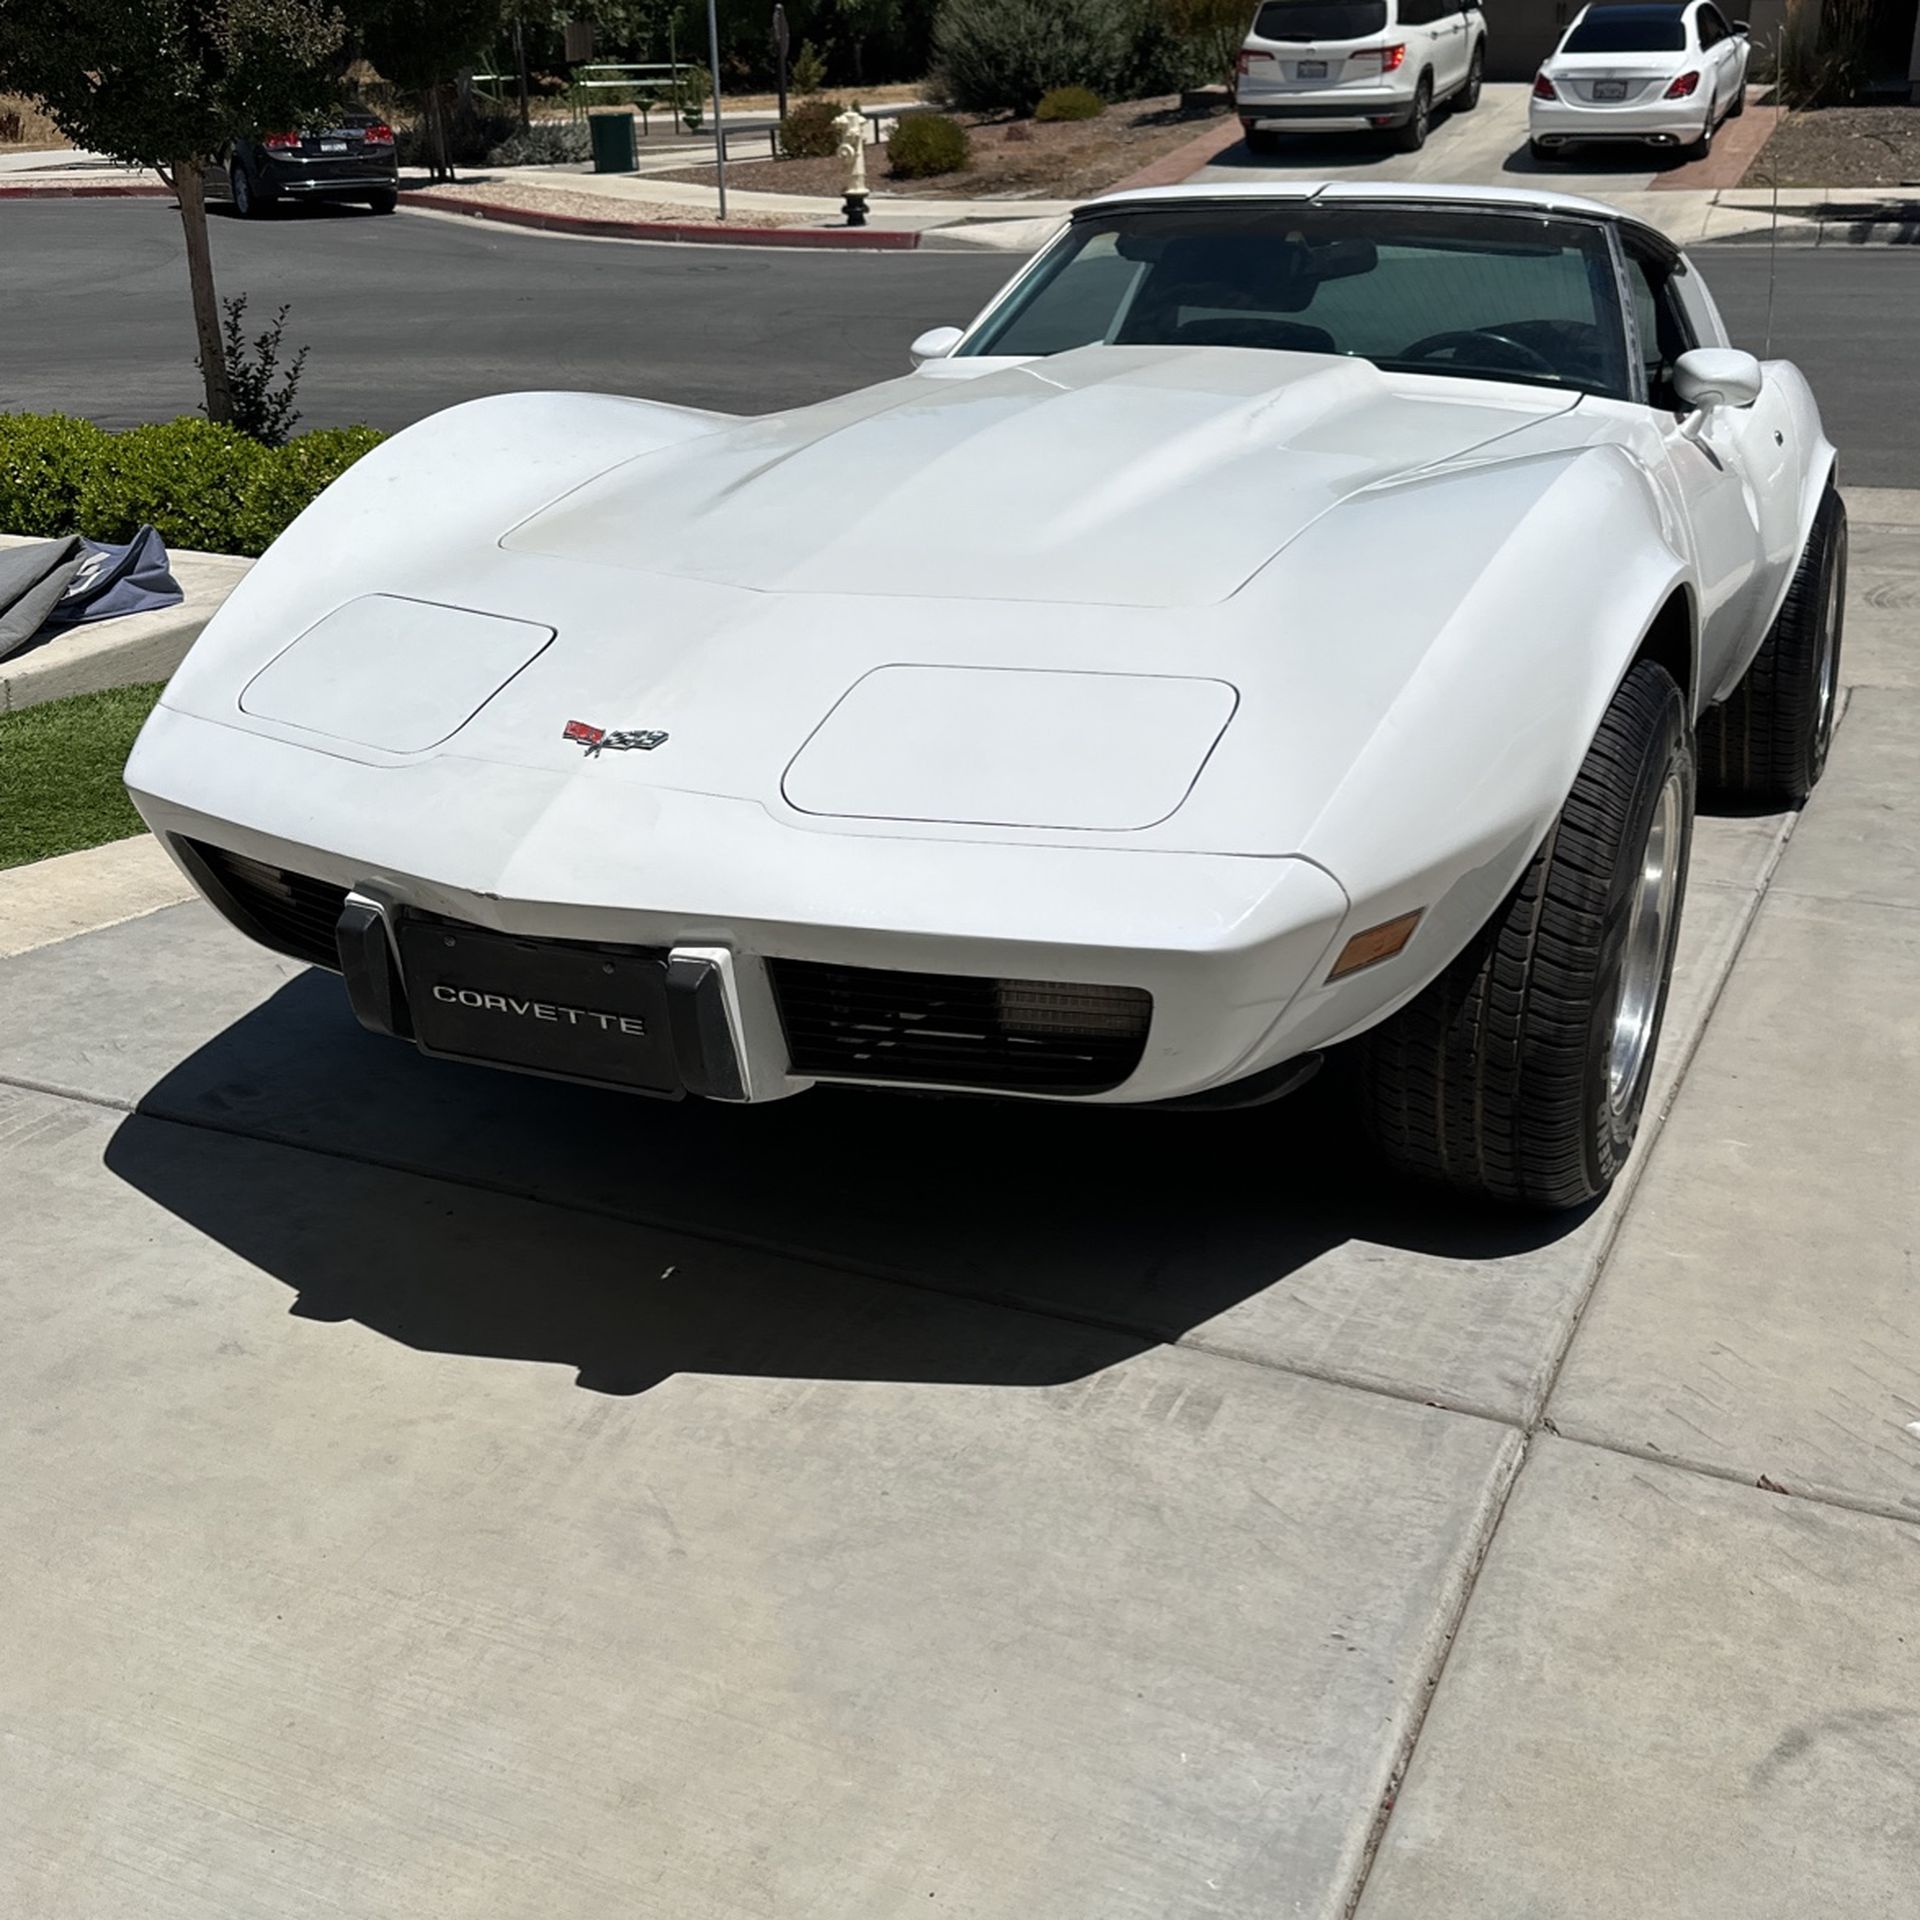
(1660, 123)
(1222, 944)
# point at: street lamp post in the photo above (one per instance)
(719, 139)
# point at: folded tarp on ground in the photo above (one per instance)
(66, 583)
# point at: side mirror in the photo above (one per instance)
(1742, 29)
(1711, 377)
(935, 344)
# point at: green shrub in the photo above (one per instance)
(809, 73)
(807, 131)
(994, 55)
(926, 143)
(1070, 103)
(546, 143)
(203, 486)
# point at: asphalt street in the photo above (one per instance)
(410, 314)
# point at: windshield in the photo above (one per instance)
(1320, 19)
(1492, 296)
(1629, 30)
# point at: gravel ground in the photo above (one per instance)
(1842, 147)
(597, 206)
(1010, 159)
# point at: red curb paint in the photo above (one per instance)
(103, 192)
(866, 239)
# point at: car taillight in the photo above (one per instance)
(279, 139)
(1391, 58)
(1543, 88)
(1248, 55)
(1683, 86)
(378, 135)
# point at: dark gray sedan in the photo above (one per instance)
(351, 158)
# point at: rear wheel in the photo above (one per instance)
(383, 202)
(1767, 741)
(1469, 95)
(1413, 136)
(1739, 102)
(248, 201)
(1704, 145)
(1543, 153)
(1262, 142)
(1521, 1072)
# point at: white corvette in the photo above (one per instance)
(1288, 616)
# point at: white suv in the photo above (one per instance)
(1350, 66)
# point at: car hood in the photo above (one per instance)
(1119, 476)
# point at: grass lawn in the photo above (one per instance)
(60, 770)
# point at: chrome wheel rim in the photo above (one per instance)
(1829, 653)
(1643, 960)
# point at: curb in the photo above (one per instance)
(124, 652)
(855, 239)
(1187, 158)
(103, 190)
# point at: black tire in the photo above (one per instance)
(1546, 155)
(1767, 741)
(248, 201)
(1703, 146)
(1259, 141)
(1499, 1078)
(1413, 136)
(1739, 102)
(1469, 95)
(383, 202)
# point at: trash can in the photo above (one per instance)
(612, 137)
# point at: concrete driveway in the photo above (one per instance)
(1486, 147)
(430, 1492)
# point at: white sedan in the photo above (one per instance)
(1289, 621)
(1642, 75)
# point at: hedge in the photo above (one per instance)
(203, 486)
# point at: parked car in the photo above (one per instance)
(1663, 75)
(1353, 66)
(352, 158)
(1289, 618)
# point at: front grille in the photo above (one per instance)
(957, 1030)
(288, 911)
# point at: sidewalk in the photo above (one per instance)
(1808, 216)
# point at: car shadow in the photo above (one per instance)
(668, 1237)
(295, 210)
(1624, 163)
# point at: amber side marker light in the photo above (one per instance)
(1374, 944)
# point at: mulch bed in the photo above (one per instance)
(1842, 147)
(1010, 159)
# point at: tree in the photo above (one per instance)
(1215, 28)
(420, 46)
(169, 84)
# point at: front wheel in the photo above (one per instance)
(1469, 95)
(1413, 136)
(1521, 1072)
(1766, 743)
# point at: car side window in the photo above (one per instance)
(1420, 13)
(1665, 331)
(1712, 28)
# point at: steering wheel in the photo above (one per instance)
(1512, 353)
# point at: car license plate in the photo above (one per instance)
(1310, 70)
(585, 1013)
(333, 146)
(1609, 89)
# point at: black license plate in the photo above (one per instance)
(1310, 70)
(584, 1013)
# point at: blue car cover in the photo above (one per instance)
(70, 582)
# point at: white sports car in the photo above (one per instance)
(1287, 617)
